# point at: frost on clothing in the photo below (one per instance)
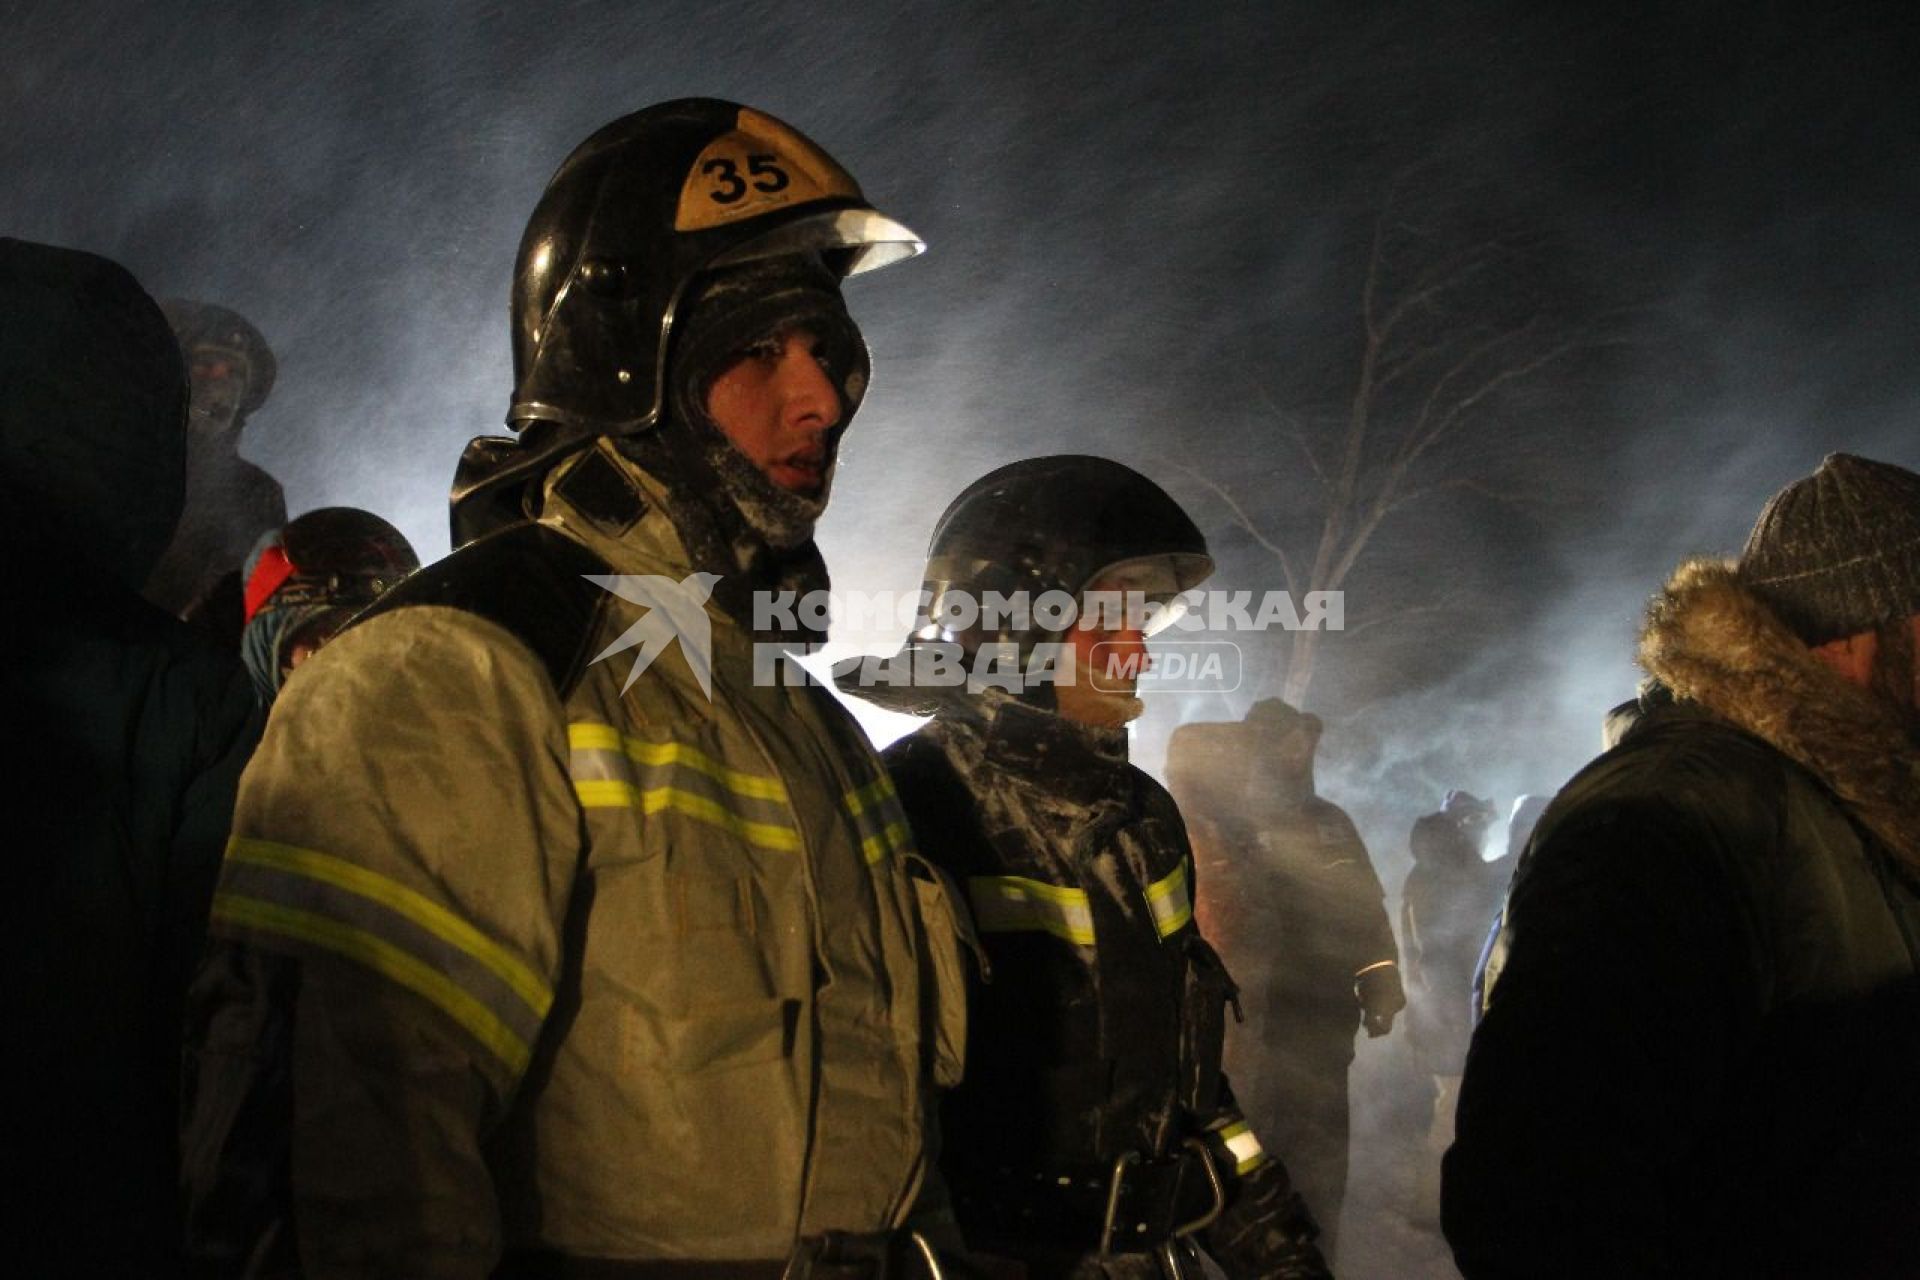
(1099, 1030)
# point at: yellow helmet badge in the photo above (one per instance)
(758, 166)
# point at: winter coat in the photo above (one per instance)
(1097, 1034)
(1702, 1055)
(578, 970)
(127, 736)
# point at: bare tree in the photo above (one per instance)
(1456, 328)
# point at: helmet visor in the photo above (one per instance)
(857, 240)
(1161, 579)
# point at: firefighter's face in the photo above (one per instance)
(1109, 653)
(778, 407)
(309, 639)
(218, 380)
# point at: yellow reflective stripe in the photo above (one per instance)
(858, 802)
(398, 898)
(609, 793)
(606, 793)
(1012, 904)
(588, 736)
(1170, 901)
(1245, 1149)
(585, 735)
(753, 785)
(891, 840)
(383, 958)
(878, 820)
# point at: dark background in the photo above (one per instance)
(1148, 227)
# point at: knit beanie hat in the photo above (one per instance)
(726, 313)
(1838, 553)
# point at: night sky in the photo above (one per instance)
(1148, 227)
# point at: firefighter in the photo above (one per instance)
(1311, 940)
(231, 502)
(541, 965)
(1093, 1134)
(306, 581)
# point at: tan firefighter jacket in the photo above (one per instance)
(612, 973)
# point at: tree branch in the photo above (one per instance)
(1245, 521)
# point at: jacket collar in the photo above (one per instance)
(1077, 763)
(632, 517)
(1714, 643)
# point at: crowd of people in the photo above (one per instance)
(366, 922)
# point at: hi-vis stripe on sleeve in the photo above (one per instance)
(1171, 900)
(613, 771)
(1015, 904)
(879, 820)
(1245, 1149)
(275, 891)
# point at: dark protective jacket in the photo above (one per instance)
(126, 736)
(1307, 920)
(1098, 1033)
(230, 503)
(1702, 1055)
(1320, 918)
(530, 954)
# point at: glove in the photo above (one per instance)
(1267, 1233)
(1381, 997)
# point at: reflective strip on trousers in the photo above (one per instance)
(613, 771)
(1015, 904)
(1171, 901)
(327, 902)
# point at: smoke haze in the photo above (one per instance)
(1147, 230)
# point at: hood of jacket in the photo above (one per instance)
(93, 401)
(1712, 642)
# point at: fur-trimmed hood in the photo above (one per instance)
(1711, 641)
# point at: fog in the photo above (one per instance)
(1147, 235)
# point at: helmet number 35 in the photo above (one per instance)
(730, 186)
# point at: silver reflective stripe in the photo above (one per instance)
(1171, 900)
(879, 821)
(1015, 904)
(613, 771)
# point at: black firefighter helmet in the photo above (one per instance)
(641, 209)
(1057, 524)
(206, 328)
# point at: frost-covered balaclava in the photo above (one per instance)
(725, 314)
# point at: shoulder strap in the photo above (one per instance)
(529, 579)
